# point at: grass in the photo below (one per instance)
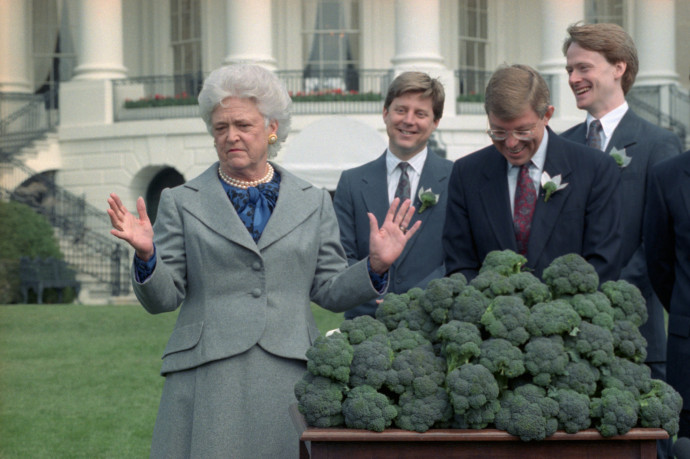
(83, 381)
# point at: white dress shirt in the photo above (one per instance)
(414, 172)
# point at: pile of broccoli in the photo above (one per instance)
(505, 351)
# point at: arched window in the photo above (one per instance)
(166, 178)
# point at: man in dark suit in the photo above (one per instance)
(667, 247)
(411, 112)
(602, 64)
(495, 201)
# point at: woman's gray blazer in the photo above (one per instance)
(237, 293)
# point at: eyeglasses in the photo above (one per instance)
(500, 135)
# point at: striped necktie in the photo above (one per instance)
(403, 189)
(594, 135)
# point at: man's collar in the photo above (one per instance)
(610, 121)
(417, 161)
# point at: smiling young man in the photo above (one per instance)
(601, 61)
(495, 197)
(411, 112)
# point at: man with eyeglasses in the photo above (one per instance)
(496, 196)
(601, 61)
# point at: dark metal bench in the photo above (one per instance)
(38, 274)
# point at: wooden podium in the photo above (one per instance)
(336, 443)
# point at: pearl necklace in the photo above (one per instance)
(242, 184)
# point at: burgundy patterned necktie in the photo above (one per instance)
(525, 200)
(594, 135)
(403, 189)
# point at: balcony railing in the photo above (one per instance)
(324, 93)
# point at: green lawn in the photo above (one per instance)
(82, 381)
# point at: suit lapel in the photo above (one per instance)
(217, 213)
(374, 188)
(496, 199)
(546, 214)
(432, 177)
(292, 208)
(625, 134)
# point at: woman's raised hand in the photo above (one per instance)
(387, 243)
(138, 232)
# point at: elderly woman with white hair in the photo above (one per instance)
(244, 248)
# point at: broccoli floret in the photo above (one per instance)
(330, 356)
(580, 376)
(371, 362)
(473, 392)
(492, 284)
(365, 408)
(417, 319)
(593, 343)
(524, 414)
(502, 359)
(361, 328)
(506, 317)
(530, 288)
(504, 262)
(412, 364)
(319, 399)
(573, 410)
(459, 342)
(545, 357)
(594, 307)
(403, 338)
(469, 306)
(420, 412)
(661, 407)
(615, 412)
(627, 375)
(627, 301)
(393, 309)
(552, 318)
(570, 274)
(628, 341)
(438, 297)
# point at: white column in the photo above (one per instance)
(417, 37)
(556, 16)
(655, 40)
(100, 40)
(15, 54)
(418, 45)
(249, 32)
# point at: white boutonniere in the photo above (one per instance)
(551, 185)
(621, 157)
(427, 198)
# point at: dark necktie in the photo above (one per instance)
(403, 190)
(525, 200)
(594, 135)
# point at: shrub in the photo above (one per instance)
(23, 232)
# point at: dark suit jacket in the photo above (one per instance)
(364, 189)
(582, 218)
(667, 246)
(646, 144)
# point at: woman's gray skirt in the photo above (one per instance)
(231, 408)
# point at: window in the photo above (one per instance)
(598, 11)
(330, 44)
(54, 53)
(473, 43)
(185, 39)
